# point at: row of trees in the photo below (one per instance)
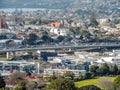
(67, 84)
(104, 69)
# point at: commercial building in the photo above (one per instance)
(60, 72)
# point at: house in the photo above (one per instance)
(59, 31)
(109, 60)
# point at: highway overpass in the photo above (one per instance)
(57, 47)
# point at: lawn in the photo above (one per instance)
(93, 81)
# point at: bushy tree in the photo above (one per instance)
(32, 38)
(21, 85)
(46, 38)
(69, 74)
(62, 84)
(117, 82)
(30, 85)
(114, 70)
(88, 75)
(93, 69)
(60, 38)
(17, 76)
(104, 69)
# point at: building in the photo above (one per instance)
(59, 31)
(109, 60)
(7, 67)
(60, 72)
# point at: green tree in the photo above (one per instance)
(46, 38)
(31, 85)
(114, 70)
(69, 74)
(60, 38)
(93, 69)
(117, 82)
(89, 87)
(32, 38)
(17, 76)
(62, 84)
(21, 85)
(88, 75)
(104, 69)
(2, 82)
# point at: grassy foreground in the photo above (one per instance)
(93, 81)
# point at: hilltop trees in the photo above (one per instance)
(61, 84)
(104, 69)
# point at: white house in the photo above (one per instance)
(59, 31)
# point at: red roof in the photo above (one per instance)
(55, 24)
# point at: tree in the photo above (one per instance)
(88, 75)
(60, 38)
(104, 69)
(62, 84)
(17, 76)
(114, 70)
(21, 85)
(46, 38)
(93, 69)
(2, 82)
(32, 38)
(69, 74)
(93, 21)
(31, 85)
(117, 82)
(89, 87)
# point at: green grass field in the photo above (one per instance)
(93, 81)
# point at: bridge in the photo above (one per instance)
(57, 47)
